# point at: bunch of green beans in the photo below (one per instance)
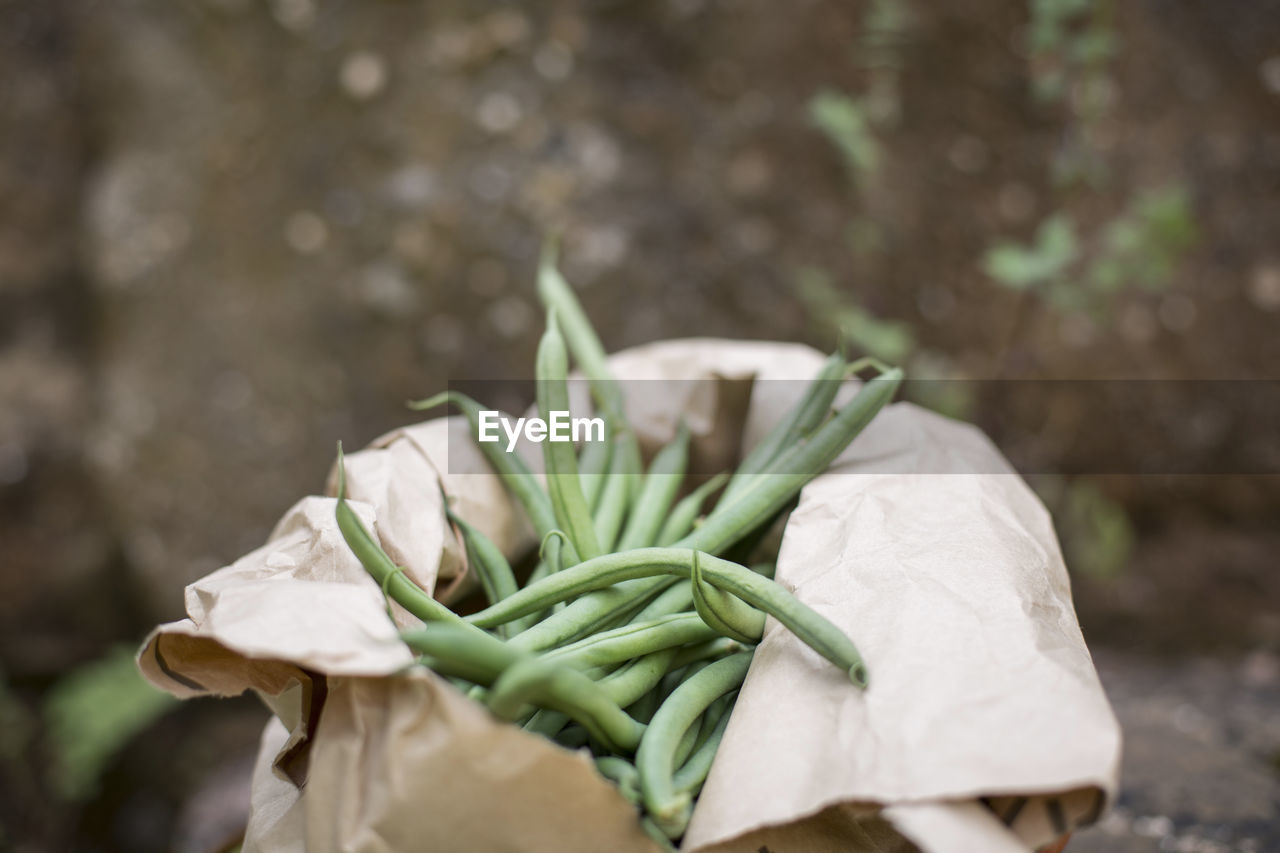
(634, 632)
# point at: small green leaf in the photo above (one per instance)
(1024, 268)
(844, 122)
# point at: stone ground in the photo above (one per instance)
(1201, 755)
(234, 231)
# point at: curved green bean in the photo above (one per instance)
(655, 759)
(637, 678)
(622, 773)
(558, 687)
(519, 684)
(726, 614)
(762, 593)
(693, 772)
(659, 837)
(487, 561)
(382, 568)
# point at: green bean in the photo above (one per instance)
(637, 678)
(660, 487)
(548, 723)
(622, 773)
(810, 627)
(799, 422)
(642, 709)
(634, 640)
(557, 687)
(549, 555)
(676, 598)
(520, 683)
(457, 671)
(619, 618)
(539, 571)
(487, 561)
(587, 350)
(589, 353)
(600, 573)
(482, 654)
(722, 612)
(614, 500)
(684, 515)
(856, 367)
(668, 806)
(552, 552)
(767, 492)
(573, 736)
(659, 837)
(629, 450)
(567, 500)
(693, 772)
(676, 677)
(762, 593)
(685, 747)
(528, 679)
(572, 622)
(382, 568)
(707, 722)
(513, 470)
(707, 650)
(593, 469)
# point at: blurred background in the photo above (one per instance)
(234, 231)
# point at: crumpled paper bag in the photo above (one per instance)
(984, 729)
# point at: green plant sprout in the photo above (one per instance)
(850, 121)
(844, 122)
(1138, 249)
(1072, 45)
(884, 339)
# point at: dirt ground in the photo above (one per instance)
(235, 231)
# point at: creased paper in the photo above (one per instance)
(984, 709)
(955, 591)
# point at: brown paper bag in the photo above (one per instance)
(984, 728)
